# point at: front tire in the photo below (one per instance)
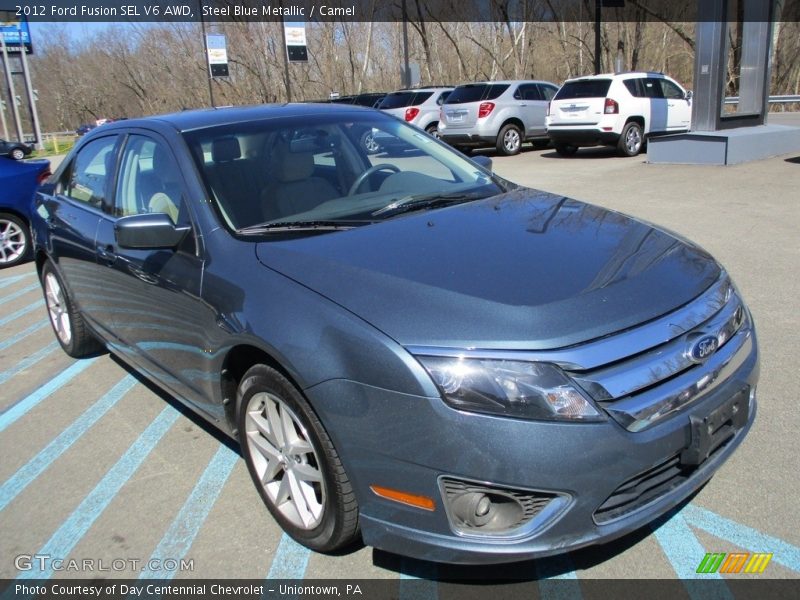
(68, 323)
(509, 140)
(631, 140)
(15, 240)
(17, 154)
(293, 463)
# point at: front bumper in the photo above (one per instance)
(409, 443)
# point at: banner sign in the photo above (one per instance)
(217, 55)
(296, 49)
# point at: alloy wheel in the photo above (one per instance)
(57, 308)
(511, 140)
(17, 154)
(285, 460)
(633, 140)
(12, 241)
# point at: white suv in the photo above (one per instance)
(617, 110)
(419, 106)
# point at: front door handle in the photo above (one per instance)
(106, 254)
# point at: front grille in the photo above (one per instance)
(653, 382)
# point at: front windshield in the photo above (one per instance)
(335, 168)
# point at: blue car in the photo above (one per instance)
(18, 181)
(409, 349)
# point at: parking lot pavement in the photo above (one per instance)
(96, 465)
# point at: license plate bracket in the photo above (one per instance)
(709, 431)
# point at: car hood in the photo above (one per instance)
(522, 270)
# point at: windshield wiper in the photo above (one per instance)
(425, 201)
(319, 225)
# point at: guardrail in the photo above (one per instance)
(772, 99)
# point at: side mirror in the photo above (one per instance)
(483, 161)
(148, 231)
(688, 95)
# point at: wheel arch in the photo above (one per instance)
(238, 360)
(513, 121)
(636, 119)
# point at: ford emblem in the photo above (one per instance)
(703, 348)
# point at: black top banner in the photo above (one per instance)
(387, 10)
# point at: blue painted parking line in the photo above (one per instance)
(418, 580)
(36, 466)
(28, 362)
(82, 518)
(21, 312)
(18, 409)
(6, 281)
(181, 534)
(684, 551)
(290, 560)
(18, 293)
(21, 335)
(742, 536)
(557, 578)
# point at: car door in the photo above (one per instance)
(72, 216)
(532, 107)
(679, 109)
(659, 111)
(159, 318)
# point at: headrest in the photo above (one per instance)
(292, 166)
(164, 165)
(225, 149)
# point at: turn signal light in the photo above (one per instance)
(611, 107)
(414, 500)
(411, 113)
(485, 109)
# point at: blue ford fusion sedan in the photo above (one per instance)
(409, 349)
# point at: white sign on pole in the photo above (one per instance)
(295, 33)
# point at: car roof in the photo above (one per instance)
(506, 82)
(188, 120)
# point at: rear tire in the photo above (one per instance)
(293, 463)
(68, 323)
(631, 141)
(566, 149)
(509, 140)
(433, 130)
(15, 240)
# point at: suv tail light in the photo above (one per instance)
(485, 109)
(611, 107)
(411, 113)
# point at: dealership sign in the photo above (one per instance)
(296, 49)
(15, 33)
(217, 55)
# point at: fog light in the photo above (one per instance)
(478, 509)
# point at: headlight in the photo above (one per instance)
(525, 390)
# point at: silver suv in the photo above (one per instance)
(503, 114)
(419, 107)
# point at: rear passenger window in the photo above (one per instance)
(547, 92)
(90, 175)
(634, 87)
(421, 97)
(527, 91)
(495, 91)
(652, 88)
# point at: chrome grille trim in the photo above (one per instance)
(640, 411)
(643, 370)
(603, 351)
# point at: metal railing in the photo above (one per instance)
(772, 99)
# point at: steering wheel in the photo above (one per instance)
(369, 173)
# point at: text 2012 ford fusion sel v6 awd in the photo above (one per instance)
(408, 348)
